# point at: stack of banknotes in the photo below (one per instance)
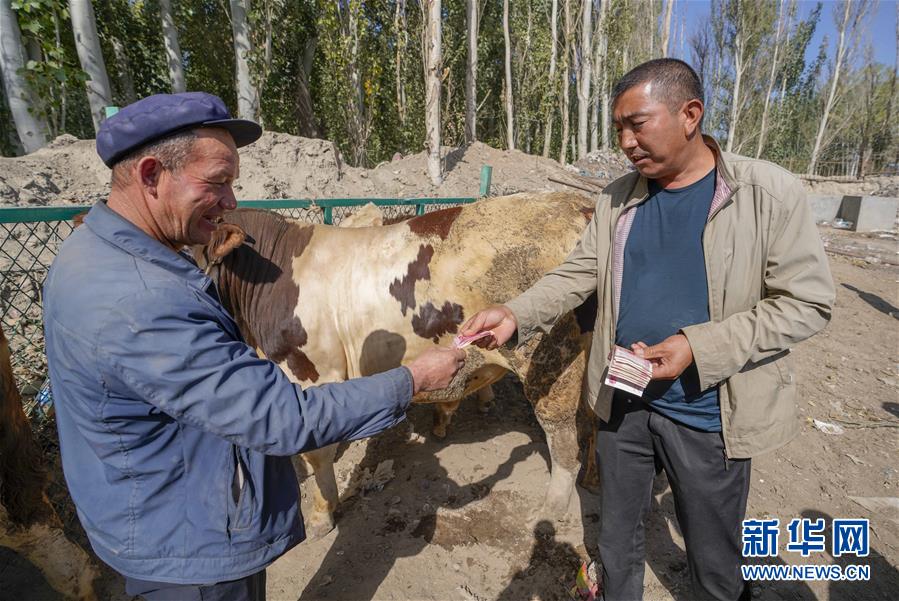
(628, 372)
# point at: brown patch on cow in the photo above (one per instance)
(433, 323)
(587, 212)
(301, 366)
(404, 290)
(255, 281)
(437, 223)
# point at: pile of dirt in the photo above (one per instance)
(68, 171)
(875, 185)
(605, 165)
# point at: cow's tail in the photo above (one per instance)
(22, 473)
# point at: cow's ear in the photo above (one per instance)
(225, 239)
(78, 219)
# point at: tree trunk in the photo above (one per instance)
(888, 125)
(599, 70)
(510, 114)
(832, 94)
(87, 42)
(432, 91)
(738, 77)
(604, 89)
(307, 123)
(471, 74)
(32, 129)
(247, 95)
(554, 32)
(359, 124)
(172, 47)
(124, 70)
(583, 90)
(566, 84)
(871, 82)
(763, 130)
(666, 31)
(402, 43)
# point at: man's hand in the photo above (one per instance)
(435, 368)
(499, 319)
(669, 358)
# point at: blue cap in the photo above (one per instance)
(155, 117)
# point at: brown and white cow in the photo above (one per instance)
(28, 523)
(328, 304)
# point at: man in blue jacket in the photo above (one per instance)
(175, 436)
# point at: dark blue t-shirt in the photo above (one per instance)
(665, 289)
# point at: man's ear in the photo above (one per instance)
(225, 239)
(692, 111)
(148, 171)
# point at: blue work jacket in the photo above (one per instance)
(175, 436)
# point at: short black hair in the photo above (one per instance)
(674, 82)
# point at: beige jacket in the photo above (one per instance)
(769, 288)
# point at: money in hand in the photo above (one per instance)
(461, 341)
(628, 372)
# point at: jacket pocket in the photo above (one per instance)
(785, 370)
(762, 402)
(240, 513)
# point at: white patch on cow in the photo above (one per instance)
(344, 277)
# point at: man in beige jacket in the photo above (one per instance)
(710, 265)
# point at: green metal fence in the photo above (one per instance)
(30, 238)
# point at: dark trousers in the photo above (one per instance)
(250, 588)
(709, 498)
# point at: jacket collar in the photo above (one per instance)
(121, 233)
(640, 191)
(722, 163)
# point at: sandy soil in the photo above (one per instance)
(453, 521)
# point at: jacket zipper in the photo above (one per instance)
(705, 246)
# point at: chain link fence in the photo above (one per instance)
(31, 237)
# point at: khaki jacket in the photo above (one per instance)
(769, 288)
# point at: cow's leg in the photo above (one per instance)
(443, 414)
(562, 443)
(324, 490)
(65, 565)
(485, 399)
(480, 381)
(553, 375)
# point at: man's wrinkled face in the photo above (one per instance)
(649, 133)
(194, 198)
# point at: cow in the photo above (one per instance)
(328, 304)
(28, 523)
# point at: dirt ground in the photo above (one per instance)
(451, 519)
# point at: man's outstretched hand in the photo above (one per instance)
(434, 369)
(498, 319)
(669, 358)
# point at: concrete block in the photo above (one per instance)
(869, 213)
(825, 208)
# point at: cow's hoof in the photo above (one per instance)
(485, 406)
(319, 526)
(439, 432)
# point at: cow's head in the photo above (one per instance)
(225, 239)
